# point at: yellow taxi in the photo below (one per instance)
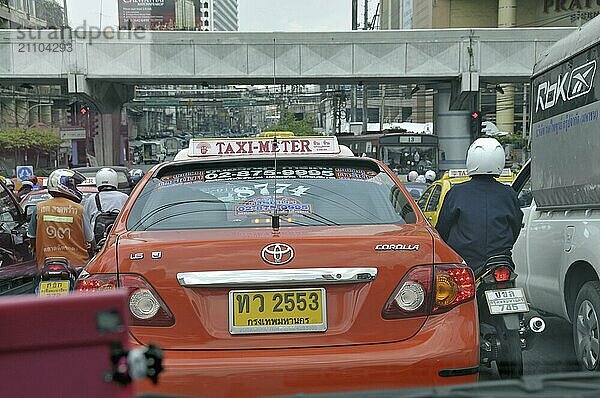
(433, 197)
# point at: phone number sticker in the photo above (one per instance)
(265, 173)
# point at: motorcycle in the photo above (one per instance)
(57, 277)
(505, 329)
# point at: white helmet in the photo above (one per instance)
(64, 182)
(430, 176)
(485, 157)
(421, 179)
(412, 176)
(107, 177)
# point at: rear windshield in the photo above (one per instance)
(236, 195)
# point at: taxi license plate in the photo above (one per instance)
(54, 288)
(277, 311)
(506, 301)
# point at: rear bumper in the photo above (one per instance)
(445, 351)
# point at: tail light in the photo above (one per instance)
(429, 290)
(502, 274)
(55, 271)
(454, 285)
(412, 297)
(145, 305)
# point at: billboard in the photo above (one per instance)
(147, 14)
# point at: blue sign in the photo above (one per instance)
(24, 172)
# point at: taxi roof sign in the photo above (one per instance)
(263, 146)
(459, 173)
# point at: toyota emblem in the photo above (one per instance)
(277, 254)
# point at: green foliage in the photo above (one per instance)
(288, 122)
(24, 139)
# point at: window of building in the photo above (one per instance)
(205, 5)
(205, 23)
(206, 14)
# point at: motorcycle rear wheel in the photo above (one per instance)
(510, 358)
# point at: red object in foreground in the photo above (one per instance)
(61, 346)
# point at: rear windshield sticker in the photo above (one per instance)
(284, 205)
(354, 174)
(182, 178)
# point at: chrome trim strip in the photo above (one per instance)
(277, 277)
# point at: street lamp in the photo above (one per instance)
(27, 113)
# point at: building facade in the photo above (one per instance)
(506, 104)
(15, 14)
(185, 13)
(224, 15)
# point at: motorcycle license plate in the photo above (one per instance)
(506, 301)
(54, 288)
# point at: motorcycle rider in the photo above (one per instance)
(59, 226)
(430, 176)
(412, 176)
(481, 218)
(107, 199)
(26, 187)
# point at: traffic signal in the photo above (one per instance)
(476, 124)
(84, 110)
(94, 124)
(71, 116)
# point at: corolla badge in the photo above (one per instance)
(277, 254)
(395, 247)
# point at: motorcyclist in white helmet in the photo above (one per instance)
(412, 176)
(107, 200)
(430, 176)
(59, 226)
(481, 218)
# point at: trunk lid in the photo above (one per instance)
(202, 313)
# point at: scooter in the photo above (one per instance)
(57, 277)
(505, 330)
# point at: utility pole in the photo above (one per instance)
(66, 14)
(354, 14)
(354, 27)
(365, 104)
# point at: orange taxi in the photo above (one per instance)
(268, 267)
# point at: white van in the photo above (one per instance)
(557, 255)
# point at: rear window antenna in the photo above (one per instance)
(275, 220)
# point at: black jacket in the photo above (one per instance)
(480, 218)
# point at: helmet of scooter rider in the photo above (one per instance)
(485, 157)
(63, 182)
(412, 176)
(430, 176)
(136, 176)
(107, 178)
